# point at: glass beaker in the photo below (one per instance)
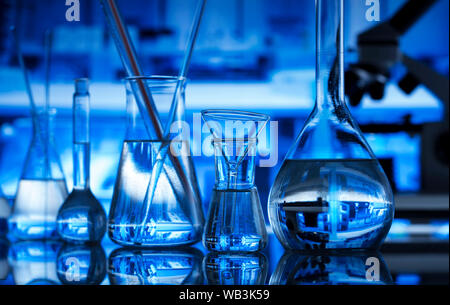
(42, 187)
(149, 267)
(81, 218)
(331, 192)
(235, 220)
(235, 269)
(172, 215)
(347, 268)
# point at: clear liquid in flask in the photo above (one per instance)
(331, 204)
(167, 223)
(235, 222)
(36, 207)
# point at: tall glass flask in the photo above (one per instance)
(42, 187)
(331, 192)
(235, 220)
(168, 214)
(81, 218)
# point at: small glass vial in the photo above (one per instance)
(81, 218)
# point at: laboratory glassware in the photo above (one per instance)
(170, 215)
(81, 218)
(42, 187)
(150, 267)
(5, 212)
(348, 268)
(81, 264)
(331, 192)
(34, 262)
(235, 269)
(235, 220)
(182, 165)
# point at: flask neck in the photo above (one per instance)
(81, 135)
(330, 55)
(234, 171)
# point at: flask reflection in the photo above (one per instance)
(155, 267)
(345, 268)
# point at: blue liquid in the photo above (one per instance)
(81, 218)
(331, 204)
(235, 222)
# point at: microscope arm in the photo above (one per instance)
(435, 82)
(409, 14)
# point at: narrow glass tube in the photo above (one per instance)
(81, 138)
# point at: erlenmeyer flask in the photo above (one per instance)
(235, 220)
(170, 216)
(331, 192)
(42, 187)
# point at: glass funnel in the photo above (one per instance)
(164, 213)
(235, 220)
(81, 218)
(42, 187)
(331, 192)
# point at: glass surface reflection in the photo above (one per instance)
(235, 269)
(4, 265)
(81, 264)
(34, 262)
(155, 267)
(352, 268)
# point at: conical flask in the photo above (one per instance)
(331, 192)
(235, 220)
(81, 219)
(42, 187)
(163, 213)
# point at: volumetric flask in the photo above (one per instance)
(42, 187)
(164, 215)
(81, 219)
(331, 192)
(235, 220)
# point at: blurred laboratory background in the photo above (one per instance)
(256, 55)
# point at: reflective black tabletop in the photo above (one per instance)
(400, 262)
